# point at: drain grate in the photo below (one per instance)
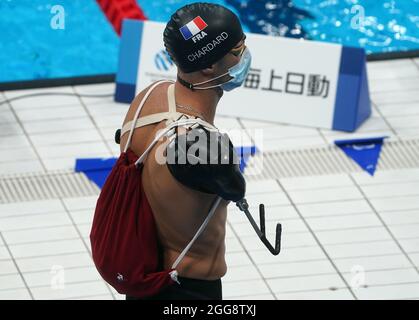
(398, 154)
(43, 186)
(325, 160)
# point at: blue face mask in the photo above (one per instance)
(238, 74)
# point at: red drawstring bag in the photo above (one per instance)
(123, 236)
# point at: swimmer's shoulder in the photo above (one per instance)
(155, 100)
(161, 88)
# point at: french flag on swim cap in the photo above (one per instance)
(192, 28)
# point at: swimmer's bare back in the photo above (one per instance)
(178, 210)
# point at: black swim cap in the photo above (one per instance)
(200, 34)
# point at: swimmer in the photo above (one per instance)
(207, 44)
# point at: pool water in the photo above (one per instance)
(31, 49)
(377, 26)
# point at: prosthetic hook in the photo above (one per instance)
(244, 206)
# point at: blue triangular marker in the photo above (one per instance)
(244, 153)
(365, 152)
(96, 169)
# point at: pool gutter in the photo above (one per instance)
(57, 82)
(104, 78)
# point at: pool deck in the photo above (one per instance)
(346, 236)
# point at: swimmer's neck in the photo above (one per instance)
(203, 101)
